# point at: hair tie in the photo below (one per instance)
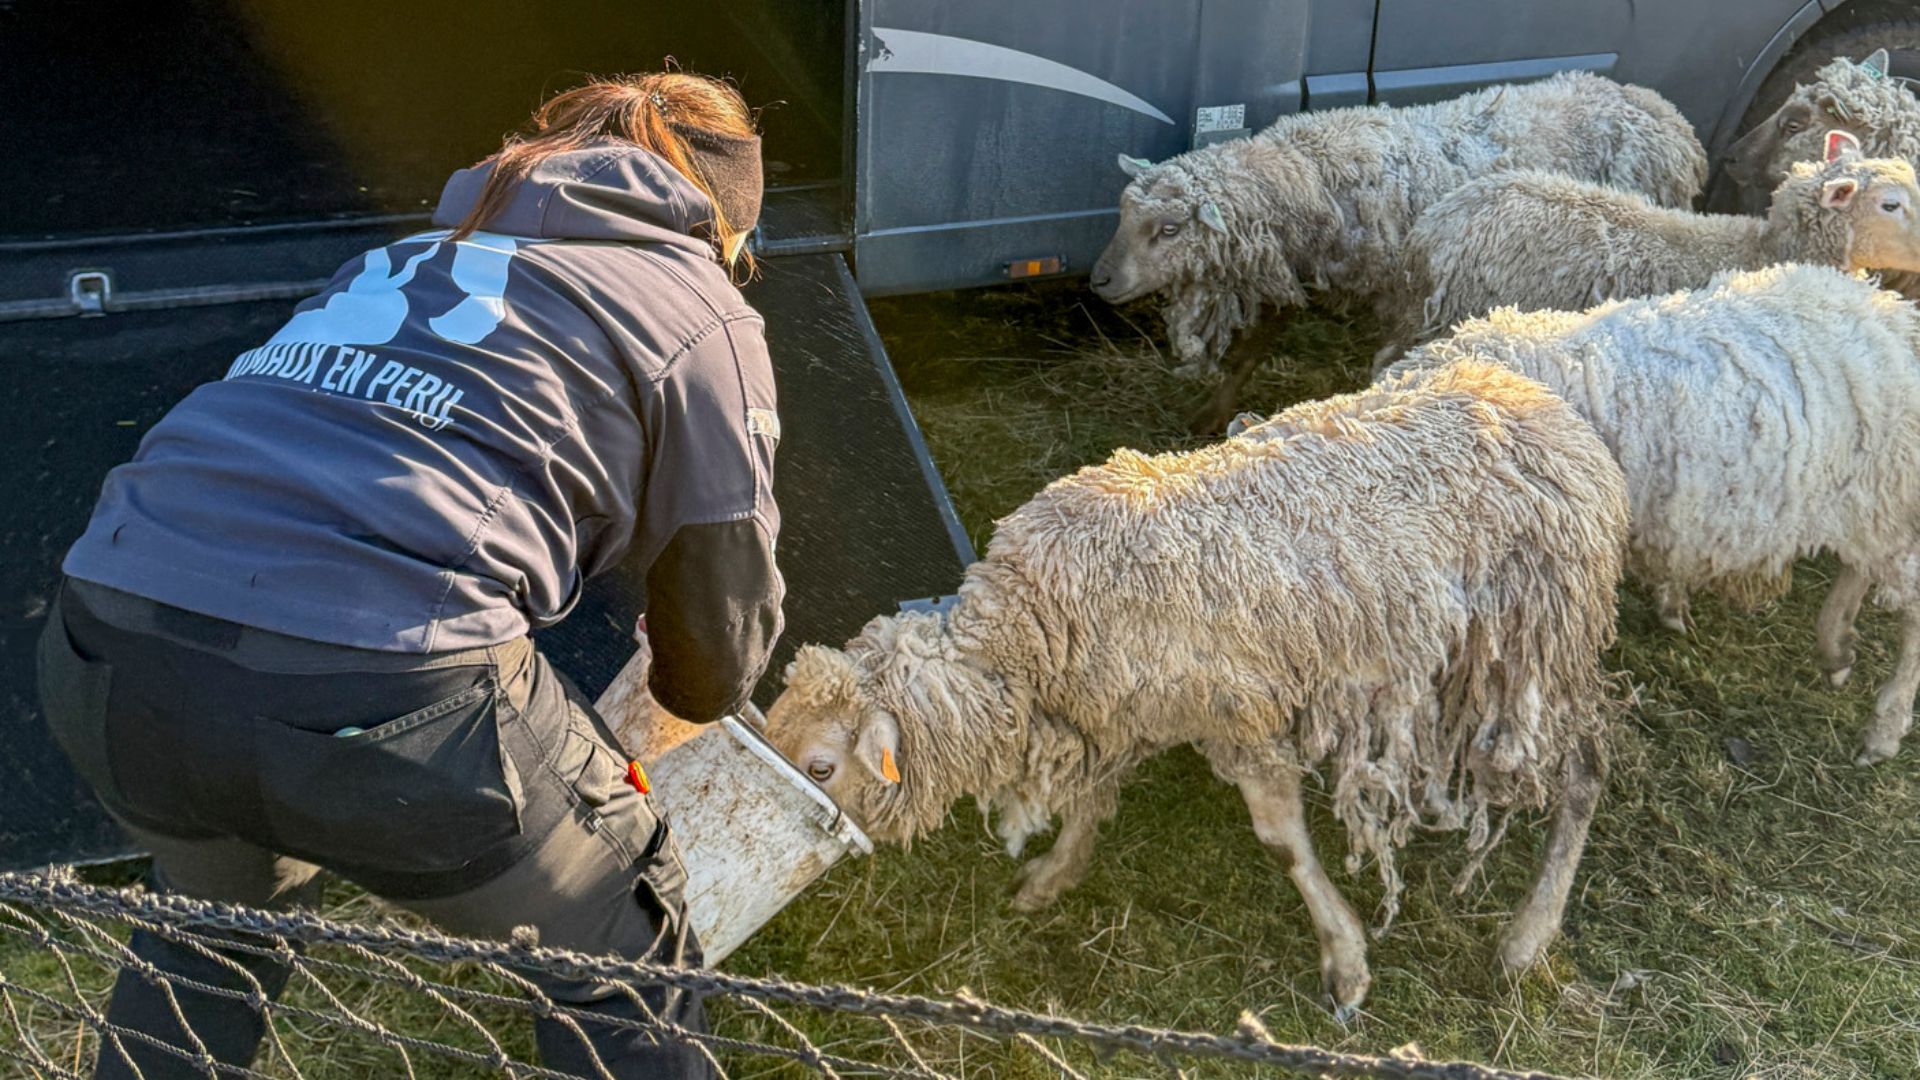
(659, 100)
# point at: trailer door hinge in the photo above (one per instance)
(89, 290)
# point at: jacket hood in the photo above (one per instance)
(609, 191)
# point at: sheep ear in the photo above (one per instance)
(1134, 166)
(878, 748)
(1877, 64)
(1836, 194)
(1210, 217)
(1841, 142)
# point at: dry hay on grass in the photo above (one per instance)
(1016, 387)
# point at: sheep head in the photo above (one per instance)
(1161, 241)
(1883, 201)
(886, 726)
(1796, 131)
(1865, 211)
(1218, 231)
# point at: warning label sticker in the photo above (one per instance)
(1219, 118)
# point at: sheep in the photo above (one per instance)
(1768, 415)
(1325, 200)
(1536, 240)
(1855, 97)
(1408, 586)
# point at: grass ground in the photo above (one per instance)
(1749, 906)
(1752, 912)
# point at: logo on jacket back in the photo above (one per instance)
(317, 347)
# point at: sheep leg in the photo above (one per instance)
(1385, 355)
(1043, 879)
(1836, 637)
(1676, 612)
(1893, 712)
(1280, 821)
(1537, 920)
(1243, 358)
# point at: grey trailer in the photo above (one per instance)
(985, 133)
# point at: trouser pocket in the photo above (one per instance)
(423, 793)
(626, 818)
(73, 696)
(661, 891)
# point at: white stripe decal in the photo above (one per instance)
(916, 52)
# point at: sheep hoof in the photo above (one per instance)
(1038, 888)
(1673, 605)
(1520, 949)
(1873, 754)
(1345, 991)
(1838, 679)
(1031, 899)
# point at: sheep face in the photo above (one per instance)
(1882, 203)
(1161, 241)
(1763, 157)
(827, 723)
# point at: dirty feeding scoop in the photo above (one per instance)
(753, 830)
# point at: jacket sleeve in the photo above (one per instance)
(714, 591)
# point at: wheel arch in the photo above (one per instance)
(1726, 127)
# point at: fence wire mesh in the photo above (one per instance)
(382, 999)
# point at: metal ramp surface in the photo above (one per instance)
(867, 523)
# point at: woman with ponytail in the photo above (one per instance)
(295, 634)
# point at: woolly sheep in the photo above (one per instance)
(1850, 96)
(1535, 240)
(1326, 199)
(1769, 415)
(1408, 587)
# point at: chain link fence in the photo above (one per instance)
(467, 1003)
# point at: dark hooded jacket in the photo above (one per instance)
(437, 451)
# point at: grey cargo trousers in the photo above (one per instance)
(478, 789)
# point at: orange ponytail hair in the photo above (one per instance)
(640, 109)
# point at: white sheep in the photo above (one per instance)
(1406, 587)
(1325, 200)
(1769, 415)
(1536, 240)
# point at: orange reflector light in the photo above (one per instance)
(1026, 268)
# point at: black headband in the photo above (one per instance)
(731, 166)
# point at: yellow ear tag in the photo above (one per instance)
(887, 768)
